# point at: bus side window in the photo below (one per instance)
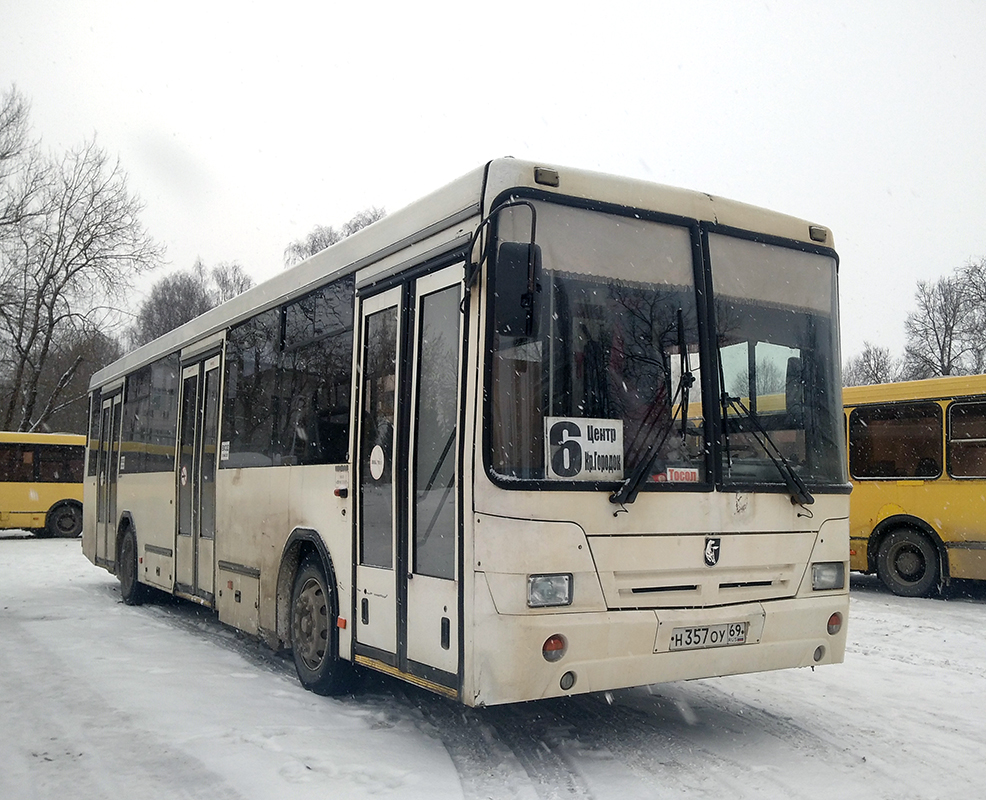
(967, 440)
(17, 463)
(895, 441)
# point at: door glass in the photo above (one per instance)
(377, 439)
(210, 438)
(185, 458)
(435, 437)
(113, 467)
(104, 456)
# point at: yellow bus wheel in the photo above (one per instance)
(907, 563)
(64, 521)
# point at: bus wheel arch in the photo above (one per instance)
(307, 610)
(64, 520)
(907, 555)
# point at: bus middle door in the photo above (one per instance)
(107, 472)
(196, 480)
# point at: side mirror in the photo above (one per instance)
(517, 283)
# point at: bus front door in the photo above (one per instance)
(407, 581)
(196, 480)
(107, 472)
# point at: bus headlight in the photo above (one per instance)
(549, 590)
(828, 575)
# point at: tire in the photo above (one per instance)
(64, 521)
(133, 591)
(908, 564)
(314, 641)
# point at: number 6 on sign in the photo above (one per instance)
(579, 448)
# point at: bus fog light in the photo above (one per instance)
(554, 648)
(828, 575)
(549, 590)
(819, 653)
(835, 623)
(567, 681)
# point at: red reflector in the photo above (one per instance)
(852, 552)
(554, 647)
(340, 622)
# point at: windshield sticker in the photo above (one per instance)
(678, 475)
(582, 449)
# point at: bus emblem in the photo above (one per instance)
(712, 548)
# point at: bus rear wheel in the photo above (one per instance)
(64, 521)
(133, 591)
(907, 563)
(313, 636)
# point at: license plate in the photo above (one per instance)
(729, 633)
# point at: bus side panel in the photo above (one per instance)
(871, 503)
(251, 519)
(966, 562)
(315, 506)
(149, 498)
(258, 509)
(951, 508)
(26, 505)
(89, 516)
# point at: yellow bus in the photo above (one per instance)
(41, 482)
(510, 442)
(917, 460)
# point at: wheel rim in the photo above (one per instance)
(65, 522)
(909, 564)
(311, 624)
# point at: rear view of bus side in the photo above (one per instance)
(41, 482)
(917, 458)
(544, 431)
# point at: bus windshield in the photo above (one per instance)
(604, 383)
(776, 344)
(608, 385)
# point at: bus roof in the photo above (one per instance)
(446, 219)
(930, 389)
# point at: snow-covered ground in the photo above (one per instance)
(100, 700)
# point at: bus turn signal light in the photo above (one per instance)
(835, 623)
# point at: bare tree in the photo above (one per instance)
(70, 254)
(972, 277)
(321, 236)
(181, 296)
(65, 383)
(229, 279)
(173, 300)
(940, 337)
(873, 365)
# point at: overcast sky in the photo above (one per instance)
(242, 125)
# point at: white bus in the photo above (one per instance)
(542, 432)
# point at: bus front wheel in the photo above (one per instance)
(907, 563)
(313, 623)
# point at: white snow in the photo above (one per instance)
(101, 700)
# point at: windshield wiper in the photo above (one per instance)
(796, 486)
(630, 487)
